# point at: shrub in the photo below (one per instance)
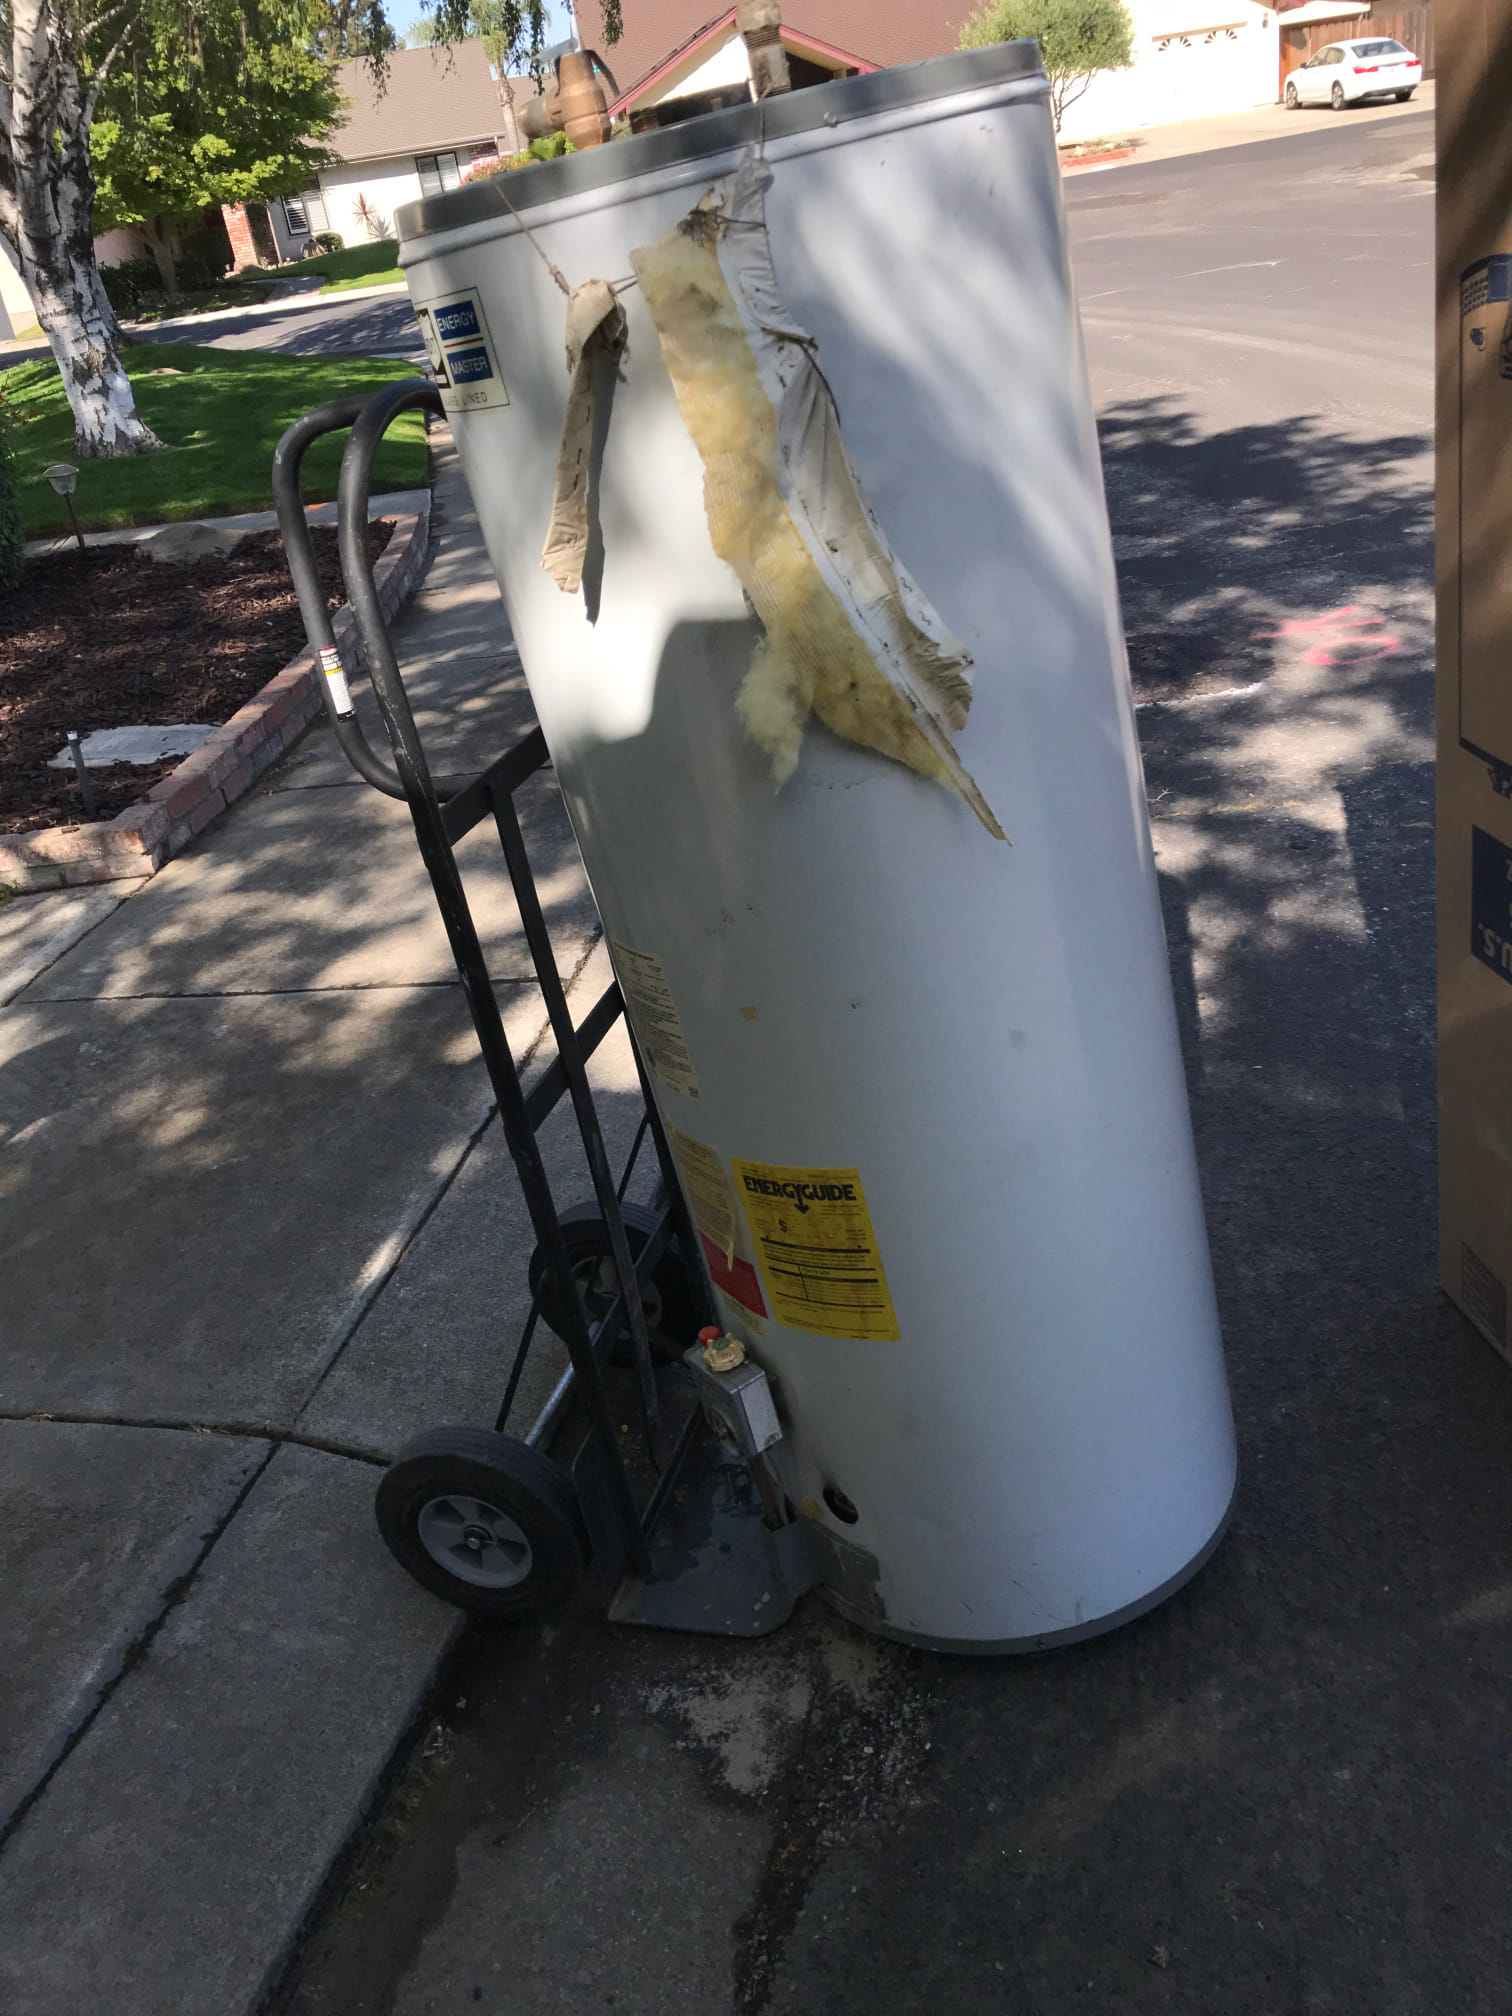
(550, 149)
(12, 535)
(198, 271)
(131, 285)
(136, 283)
(372, 220)
(1077, 38)
(323, 242)
(204, 251)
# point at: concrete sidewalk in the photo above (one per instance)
(247, 1168)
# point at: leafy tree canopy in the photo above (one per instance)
(348, 28)
(210, 103)
(513, 32)
(1077, 38)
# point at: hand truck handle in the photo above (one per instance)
(374, 418)
(299, 550)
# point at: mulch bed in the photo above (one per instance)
(108, 638)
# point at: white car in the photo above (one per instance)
(1347, 73)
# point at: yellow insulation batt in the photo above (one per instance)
(849, 636)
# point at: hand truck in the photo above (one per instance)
(679, 1525)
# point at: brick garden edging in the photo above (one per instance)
(139, 840)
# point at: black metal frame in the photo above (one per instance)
(619, 1528)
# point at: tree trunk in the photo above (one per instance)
(46, 224)
(80, 325)
(160, 245)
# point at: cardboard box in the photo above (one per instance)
(1474, 513)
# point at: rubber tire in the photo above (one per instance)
(673, 1302)
(522, 1482)
(1403, 96)
(1293, 102)
(1339, 101)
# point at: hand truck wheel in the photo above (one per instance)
(669, 1299)
(484, 1522)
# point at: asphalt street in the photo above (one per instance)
(377, 326)
(1283, 1791)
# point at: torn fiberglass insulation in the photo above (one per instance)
(849, 635)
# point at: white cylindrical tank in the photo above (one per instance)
(926, 1087)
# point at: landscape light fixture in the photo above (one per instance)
(64, 478)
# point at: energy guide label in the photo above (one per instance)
(818, 1251)
(653, 1016)
(463, 359)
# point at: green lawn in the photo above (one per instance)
(387, 276)
(354, 266)
(220, 413)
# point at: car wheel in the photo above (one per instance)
(1403, 96)
(483, 1522)
(1338, 98)
(1293, 102)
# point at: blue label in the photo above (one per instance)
(456, 320)
(467, 366)
(1491, 902)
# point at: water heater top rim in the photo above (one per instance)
(716, 133)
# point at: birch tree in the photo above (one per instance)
(56, 59)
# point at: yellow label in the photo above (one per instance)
(653, 1016)
(817, 1250)
(707, 1187)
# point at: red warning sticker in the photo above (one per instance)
(735, 1277)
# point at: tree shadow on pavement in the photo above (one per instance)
(1217, 532)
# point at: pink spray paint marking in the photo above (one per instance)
(1341, 629)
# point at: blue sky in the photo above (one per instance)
(405, 13)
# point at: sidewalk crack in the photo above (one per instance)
(132, 1655)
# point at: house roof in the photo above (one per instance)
(878, 31)
(434, 98)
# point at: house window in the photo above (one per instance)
(294, 216)
(437, 172)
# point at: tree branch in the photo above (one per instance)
(92, 23)
(102, 72)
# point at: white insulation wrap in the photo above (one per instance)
(925, 1087)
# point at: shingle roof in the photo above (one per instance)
(882, 31)
(435, 98)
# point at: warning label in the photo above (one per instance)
(717, 1221)
(710, 1198)
(648, 997)
(817, 1250)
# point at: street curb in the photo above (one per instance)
(191, 797)
(1103, 160)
